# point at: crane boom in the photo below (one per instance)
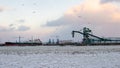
(73, 33)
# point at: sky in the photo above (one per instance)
(46, 19)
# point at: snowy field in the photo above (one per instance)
(60, 57)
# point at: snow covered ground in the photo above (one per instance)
(60, 57)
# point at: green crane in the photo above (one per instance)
(86, 36)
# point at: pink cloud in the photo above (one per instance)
(103, 19)
(5, 8)
(106, 1)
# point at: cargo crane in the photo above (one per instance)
(86, 32)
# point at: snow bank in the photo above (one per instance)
(60, 57)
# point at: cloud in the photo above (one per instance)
(5, 8)
(14, 27)
(21, 21)
(11, 27)
(2, 9)
(103, 19)
(89, 12)
(106, 1)
(3, 29)
(64, 20)
(23, 28)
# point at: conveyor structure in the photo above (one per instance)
(87, 40)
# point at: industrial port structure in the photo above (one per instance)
(90, 39)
